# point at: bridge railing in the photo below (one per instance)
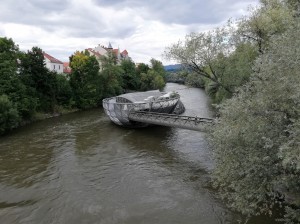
(172, 120)
(118, 112)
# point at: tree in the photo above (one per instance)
(272, 18)
(152, 80)
(8, 58)
(257, 135)
(10, 82)
(111, 76)
(142, 68)
(194, 80)
(234, 71)
(199, 51)
(131, 80)
(158, 67)
(294, 6)
(64, 94)
(85, 80)
(9, 116)
(39, 80)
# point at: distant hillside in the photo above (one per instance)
(170, 68)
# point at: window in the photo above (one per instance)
(53, 67)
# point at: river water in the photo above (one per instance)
(81, 168)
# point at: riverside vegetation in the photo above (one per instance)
(252, 70)
(28, 90)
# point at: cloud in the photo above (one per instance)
(182, 12)
(144, 28)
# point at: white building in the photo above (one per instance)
(53, 64)
(104, 51)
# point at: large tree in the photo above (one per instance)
(158, 67)
(199, 52)
(9, 116)
(131, 79)
(85, 80)
(40, 81)
(111, 76)
(257, 135)
(271, 18)
(10, 82)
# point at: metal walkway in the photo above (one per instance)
(171, 120)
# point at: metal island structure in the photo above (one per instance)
(141, 109)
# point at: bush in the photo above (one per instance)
(9, 117)
(257, 138)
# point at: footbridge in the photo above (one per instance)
(141, 109)
(171, 120)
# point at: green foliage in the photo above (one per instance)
(142, 68)
(257, 136)
(195, 80)
(85, 80)
(63, 91)
(238, 65)
(30, 88)
(111, 77)
(8, 58)
(39, 80)
(9, 117)
(234, 71)
(151, 80)
(202, 52)
(158, 67)
(272, 18)
(11, 85)
(131, 79)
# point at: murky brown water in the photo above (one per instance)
(81, 168)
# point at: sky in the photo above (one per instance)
(143, 27)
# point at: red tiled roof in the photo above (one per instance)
(52, 59)
(125, 52)
(67, 68)
(94, 52)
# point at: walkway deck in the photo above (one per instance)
(171, 120)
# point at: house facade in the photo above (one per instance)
(53, 64)
(67, 69)
(100, 50)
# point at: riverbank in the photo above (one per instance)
(38, 116)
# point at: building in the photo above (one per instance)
(100, 50)
(53, 64)
(67, 69)
(124, 55)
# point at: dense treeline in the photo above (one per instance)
(28, 89)
(252, 68)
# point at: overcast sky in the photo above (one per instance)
(143, 28)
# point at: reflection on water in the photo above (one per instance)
(81, 168)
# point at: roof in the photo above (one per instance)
(96, 53)
(125, 52)
(67, 68)
(141, 96)
(52, 59)
(109, 46)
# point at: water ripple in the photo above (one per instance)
(81, 168)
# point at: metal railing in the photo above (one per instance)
(171, 120)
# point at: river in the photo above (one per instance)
(81, 168)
